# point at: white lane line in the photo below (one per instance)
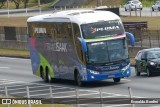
(13, 58)
(126, 80)
(4, 67)
(16, 89)
(118, 105)
(73, 95)
(18, 92)
(37, 84)
(122, 95)
(155, 106)
(39, 90)
(9, 83)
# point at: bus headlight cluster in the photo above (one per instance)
(94, 72)
(126, 67)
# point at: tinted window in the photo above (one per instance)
(153, 54)
(135, 2)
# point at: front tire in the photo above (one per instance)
(78, 79)
(137, 72)
(152, 9)
(125, 9)
(48, 78)
(149, 73)
(117, 79)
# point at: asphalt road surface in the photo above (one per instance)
(16, 74)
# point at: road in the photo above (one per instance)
(16, 74)
(32, 12)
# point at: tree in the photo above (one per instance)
(2, 2)
(17, 3)
(25, 3)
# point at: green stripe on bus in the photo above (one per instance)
(45, 63)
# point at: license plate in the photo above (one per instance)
(111, 76)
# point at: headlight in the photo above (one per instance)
(94, 72)
(152, 63)
(126, 67)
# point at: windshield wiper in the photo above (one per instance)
(119, 60)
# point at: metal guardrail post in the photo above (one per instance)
(151, 12)
(26, 12)
(101, 97)
(6, 93)
(140, 12)
(130, 94)
(77, 97)
(28, 95)
(150, 40)
(135, 11)
(130, 10)
(51, 95)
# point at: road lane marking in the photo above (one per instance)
(13, 58)
(155, 106)
(126, 80)
(4, 67)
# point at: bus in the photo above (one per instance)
(80, 45)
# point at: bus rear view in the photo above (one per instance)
(80, 45)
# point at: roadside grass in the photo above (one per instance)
(13, 21)
(14, 53)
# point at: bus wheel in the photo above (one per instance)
(48, 77)
(42, 73)
(78, 79)
(117, 79)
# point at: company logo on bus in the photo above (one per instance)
(110, 68)
(93, 30)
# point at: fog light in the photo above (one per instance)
(92, 77)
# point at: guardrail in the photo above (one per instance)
(52, 94)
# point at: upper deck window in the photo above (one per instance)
(102, 29)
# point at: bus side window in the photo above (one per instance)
(58, 30)
(69, 30)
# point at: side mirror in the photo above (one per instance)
(131, 37)
(83, 43)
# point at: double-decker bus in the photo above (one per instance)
(80, 45)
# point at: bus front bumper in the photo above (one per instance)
(110, 75)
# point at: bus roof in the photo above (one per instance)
(76, 16)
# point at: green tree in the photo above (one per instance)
(25, 3)
(17, 3)
(2, 2)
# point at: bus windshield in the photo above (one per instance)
(107, 51)
(102, 29)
